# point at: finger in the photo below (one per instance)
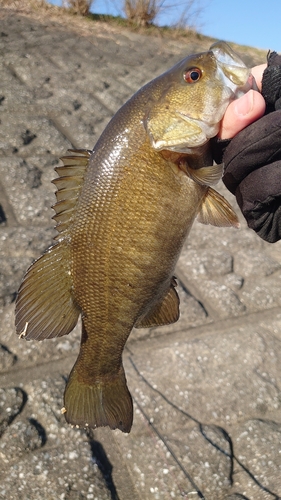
(241, 113)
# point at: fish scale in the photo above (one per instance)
(123, 213)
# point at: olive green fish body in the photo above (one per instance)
(124, 257)
(123, 212)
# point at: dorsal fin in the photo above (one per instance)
(71, 176)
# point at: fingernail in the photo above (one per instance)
(245, 104)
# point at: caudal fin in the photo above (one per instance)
(104, 403)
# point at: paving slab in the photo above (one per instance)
(206, 390)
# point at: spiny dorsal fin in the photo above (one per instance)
(216, 210)
(164, 312)
(206, 176)
(69, 182)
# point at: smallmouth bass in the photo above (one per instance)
(123, 213)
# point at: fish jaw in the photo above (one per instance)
(231, 69)
(195, 132)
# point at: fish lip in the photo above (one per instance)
(176, 148)
(252, 82)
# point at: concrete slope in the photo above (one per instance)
(206, 390)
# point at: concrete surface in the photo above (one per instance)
(206, 390)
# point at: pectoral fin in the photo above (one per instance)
(164, 312)
(217, 211)
(206, 176)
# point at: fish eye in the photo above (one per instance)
(192, 75)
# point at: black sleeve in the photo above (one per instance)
(253, 161)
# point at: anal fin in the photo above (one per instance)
(164, 312)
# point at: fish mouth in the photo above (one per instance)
(231, 69)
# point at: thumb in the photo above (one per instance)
(240, 113)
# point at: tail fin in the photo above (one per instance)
(104, 403)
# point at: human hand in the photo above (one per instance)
(253, 157)
(245, 110)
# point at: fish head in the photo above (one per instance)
(191, 98)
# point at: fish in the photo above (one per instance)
(123, 212)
